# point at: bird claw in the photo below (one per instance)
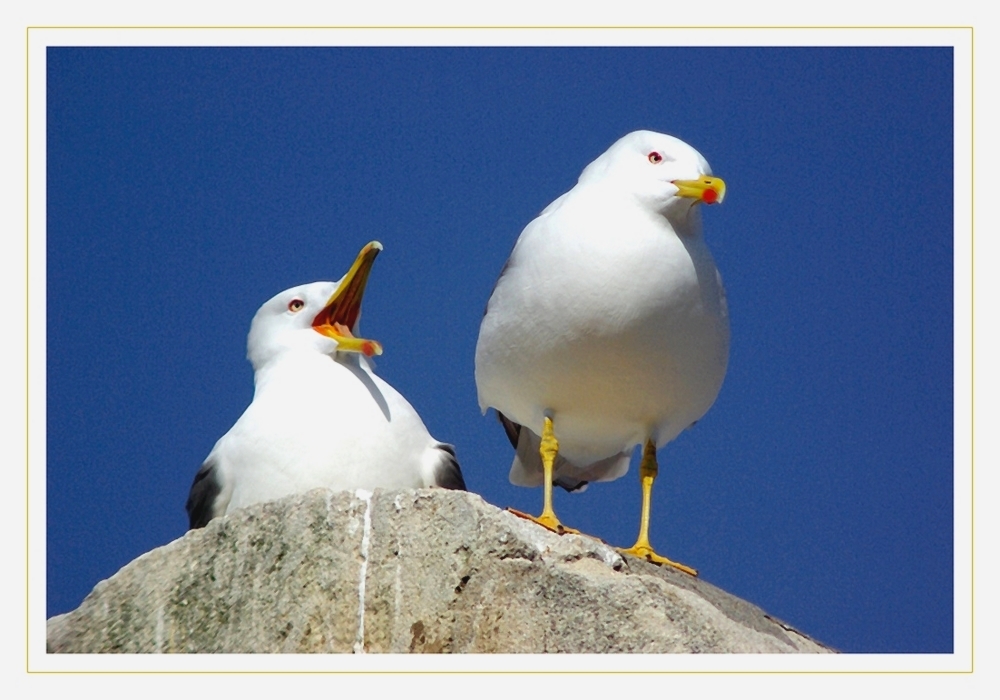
(647, 553)
(549, 522)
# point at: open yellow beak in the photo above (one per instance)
(344, 306)
(707, 189)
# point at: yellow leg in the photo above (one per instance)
(642, 549)
(548, 451)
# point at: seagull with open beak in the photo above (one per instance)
(320, 416)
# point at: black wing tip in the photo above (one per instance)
(201, 500)
(450, 449)
(570, 485)
(512, 429)
(449, 474)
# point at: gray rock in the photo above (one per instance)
(405, 571)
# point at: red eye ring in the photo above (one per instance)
(655, 158)
(296, 305)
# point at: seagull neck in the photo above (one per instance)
(291, 366)
(684, 218)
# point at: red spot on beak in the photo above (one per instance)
(709, 196)
(368, 348)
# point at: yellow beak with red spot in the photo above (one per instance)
(707, 189)
(341, 312)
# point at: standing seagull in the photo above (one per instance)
(608, 326)
(320, 416)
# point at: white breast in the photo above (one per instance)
(315, 422)
(611, 320)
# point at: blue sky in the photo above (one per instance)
(187, 186)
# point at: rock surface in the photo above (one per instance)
(405, 571)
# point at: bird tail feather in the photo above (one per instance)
(526, 469)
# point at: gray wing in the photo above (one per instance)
(503, 271)
(204, 494)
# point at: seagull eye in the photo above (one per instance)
(655, 158)
(295, 305)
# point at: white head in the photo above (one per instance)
(319, 317)
(659, 170)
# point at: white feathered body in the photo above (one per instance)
(613, 318)
(320, 422)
